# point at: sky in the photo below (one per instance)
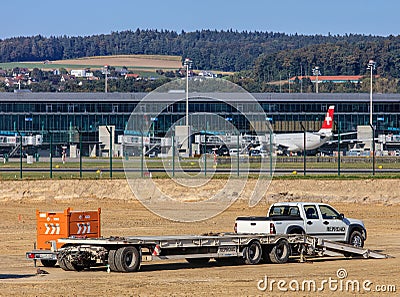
(90, 17)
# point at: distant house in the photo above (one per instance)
(122, 71)
(336, 79)
(132, 75)
(207, 74)
(11, 81)
(92, 77)
(78, 72)
(66, 77)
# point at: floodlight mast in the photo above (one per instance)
(316, 72)
(187, 64)
(106, 71)
(371, 67)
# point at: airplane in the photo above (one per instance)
(294, 142)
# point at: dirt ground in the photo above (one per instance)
(374, 201)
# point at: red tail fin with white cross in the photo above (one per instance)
(327, 125)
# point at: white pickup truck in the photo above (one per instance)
(315, 219)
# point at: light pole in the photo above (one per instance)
(316, 72)
(188, 64)
(105, 71)
(371, 67)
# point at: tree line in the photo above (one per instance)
(259, 59)
(209, 49)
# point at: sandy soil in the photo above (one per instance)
(374, 201)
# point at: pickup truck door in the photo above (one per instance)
(333, 223)
(313, 223)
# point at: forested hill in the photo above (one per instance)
(218, 50)
(340, 58)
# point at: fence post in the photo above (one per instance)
(205, 153)
(305, 149)
(237, 155)
(51, 154)
(339, 149)
(20, 154)
(173, 154)
(270, 152)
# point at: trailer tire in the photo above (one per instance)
(63, 265)
(198, 261)
(356, 239)
(280, 252)
(111, 260)
(127, 259)
(48, 263)
(68, 266)
(252, 253)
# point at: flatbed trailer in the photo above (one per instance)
(125, 254)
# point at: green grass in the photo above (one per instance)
(100, 164)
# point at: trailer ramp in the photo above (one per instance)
(331, 248)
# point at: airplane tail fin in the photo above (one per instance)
(327, 125)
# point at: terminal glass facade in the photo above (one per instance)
(65, 113)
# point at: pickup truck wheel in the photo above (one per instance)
(356, 239)
(253, 253)
(280, 252)
(127, 259)
(198, 261)
(48, 263)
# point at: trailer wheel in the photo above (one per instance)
(280, 252)
(252, 253)
(63, 265)
(111, 260)
(48, 263)
(198, 261)
(68, 266)
(356, 239)
(127, 259)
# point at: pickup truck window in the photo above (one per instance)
(328, 212)
(284, 210)
(311, 212)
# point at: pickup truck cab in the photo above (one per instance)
(315, 219)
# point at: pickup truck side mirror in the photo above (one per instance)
(341, 216)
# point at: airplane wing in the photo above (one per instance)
(345, 133)
(289, 148)
(352, 140)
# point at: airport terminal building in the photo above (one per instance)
(63, 114)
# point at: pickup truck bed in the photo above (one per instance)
(280, 218)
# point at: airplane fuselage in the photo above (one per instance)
(294, 142)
